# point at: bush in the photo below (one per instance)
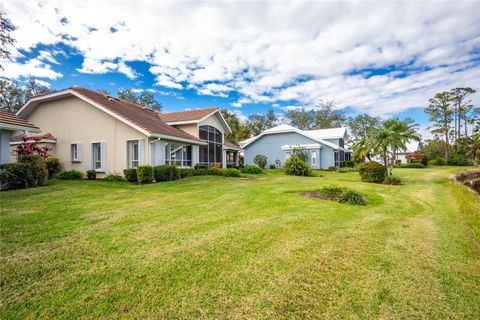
(296, 167)
(392, 180)
(213, 171)
(166, 173)
(200, 166)
(432, 162)
(331, 191)
(457, 160)
(346, 170)
(372, 172)
(272, 166)
(113, 178)
(17, 175)
(144, 174)
(299, 152)
(347, 164)
(251, 169)
(70, 175)
(185, 173)
(424, 161)
(91, 174)
(53, 166)
(332, 169)
(440, 161)
(414, 165)
(130, 175)
(231, 172)
(199, 172)
(260, 160)
(38, 168)
(352, 197)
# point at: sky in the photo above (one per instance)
(382, 58)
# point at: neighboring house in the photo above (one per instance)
(91, 130)
(401, 155)
(9, 124)
(326, 147)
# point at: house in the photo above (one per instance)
(9, 124)
(325, 147)
(401, 155)
(91, 130)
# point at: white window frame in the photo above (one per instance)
(75, 152)
(313, 158)
(98, 156)
(132, 161)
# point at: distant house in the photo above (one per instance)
(325, 147)
(9, 124)
(401, 155)
(91, 130)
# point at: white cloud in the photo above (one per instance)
(265, 52)
(33, 67)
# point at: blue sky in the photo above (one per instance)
(385, 59)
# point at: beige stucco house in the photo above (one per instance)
(91, 130)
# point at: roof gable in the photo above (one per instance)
(11, 121)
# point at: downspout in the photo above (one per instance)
(150, 155)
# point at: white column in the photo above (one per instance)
(224, 158)
(195, 155)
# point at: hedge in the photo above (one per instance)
(145, 174)
(70, 175)
(130, 175)
(166, 173)
(372, 172)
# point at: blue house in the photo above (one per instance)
(325, 147)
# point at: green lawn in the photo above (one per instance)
(214, 247)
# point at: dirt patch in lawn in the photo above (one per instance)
(316, 194)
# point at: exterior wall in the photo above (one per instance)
(72, 120)
(5, 146)
(213, 121)
(190, 128)
(270, 146)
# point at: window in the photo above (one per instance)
(75, 152)
(337, 162)
(132, 154)
(314, 157)
(178, 154)
(98, 156)
(211, 153)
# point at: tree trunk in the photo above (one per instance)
(447, 144)
(466, 129)
(385, 162)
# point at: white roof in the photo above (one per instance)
(312, 134)
(412, 146)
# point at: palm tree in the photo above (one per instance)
(380, 142)
(473, 149)
(401, 132)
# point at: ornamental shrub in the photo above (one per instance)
(231, 172)
(185, 172)
(440, 161)
(332, 169)
(111, 177)
(199, 172)
(300, 153)
(53, 166)
(166, 173)
(352, 197)
(392, 180)
(200, 166)
(213, 171)
(70, 175)
(424, 161)
(91, 174)
(130, 175)
(414, 165)
(145, 174)
(17, 175)
(260, 160)
(251, 169)
(347, 164)
(346, 170)
(272, 166)
(457, 160)
(38, 168)
(372, 172)
(296, 167)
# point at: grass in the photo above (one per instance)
(230, 248)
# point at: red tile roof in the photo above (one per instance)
(11, 119)
(229, 144)
(189, 115)
(46, 136)
(144, 118)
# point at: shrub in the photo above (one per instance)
(199, 172)
(130, 175)
(91, 174)
(372, 172)
(38, 168)
(260, 160)
(166, 173)
(16, 175)
(393, 180)
(352, 197)
(70, 175)
(331, 191)
(457, 160)
(251, 169)
(347, 164)
(231, 172)
(111, 177)
(200, 166)
(299, 152)
(185, 172)
(424, 161)
(213, 171)
(346, 170)
(414, 165)
(272, 166)
(432, 162)
(440, 161)
(296, 167)
(144, 174)
(53, 166)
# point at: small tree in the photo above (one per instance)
(28, 148)
(260, 160)
(299, 152)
